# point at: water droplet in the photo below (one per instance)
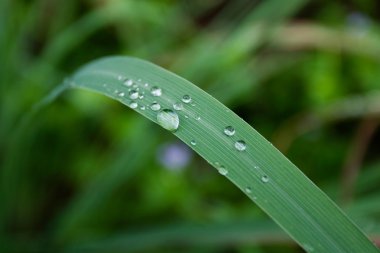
(155, 106)
(198, 117)
(186, 116)
(248, 189)
(133, 105)
(119, 78)
(193, 142)
(222, 170)
(178, 106)
(168, 119)
(192, 104)
(141, 97)
(128, 82)
(186, 99)
(142, 107)
(121, 94)
(256, 167)
(265, 179)
(146, 84)
(240, 145)
(156, 91)
(229, 130)
(133, 94)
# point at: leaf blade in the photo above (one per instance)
(288, 196)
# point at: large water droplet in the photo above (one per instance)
(186, 99)
(128, 82)
(168, 119)
(133, 105)
(133, 94)
(193, 142)
(248, 189)
(229, 130)
(222, 170)
(265, 179)
(156, 91)
(240, 145)
(178, 106)
(155, 106)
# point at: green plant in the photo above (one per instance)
(232, 146)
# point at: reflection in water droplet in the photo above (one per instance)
(193, 142)
(240, 145)
(128, 82)
(248, 189)
(222, 170)
(133, 105)
(178, 106)
(265, 179)
(186, 99)
(156, 91)
(168, 119)
(133, 94)
(155, 106)
(229, 131)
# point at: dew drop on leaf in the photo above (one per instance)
(156, 91)
(128, 82)
(168, 119)
(178, 106)
(133, 94)
(222, 170)
(229, 131)
(265, 179)
(186, 99)
(133, 105)
(155, 106)
(240, 145)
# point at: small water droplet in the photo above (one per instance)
(142, 107)
(146, 84)
(229, 130)
(192, 104)
(128, 82)
(222, 170)
(156, 91)
(265, 179)
(119, 78)
(240, 145)
(256, 167)
(178, 106)
(168, 119)
(133, 94)
(186, 116)
(133, 105)
(155, 106)
(198, 117)
(186, 99)
(193, 142)
(141, 97)
(248, 189)
(121, 94)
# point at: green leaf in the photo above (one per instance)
(260, 170)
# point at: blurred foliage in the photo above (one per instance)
(87, 174)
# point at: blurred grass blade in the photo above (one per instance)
(260, 170)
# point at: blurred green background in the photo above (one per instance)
(86, 174)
